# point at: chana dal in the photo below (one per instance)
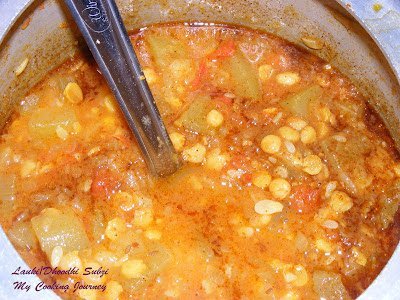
(289, 187)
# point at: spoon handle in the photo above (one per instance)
(101, 25)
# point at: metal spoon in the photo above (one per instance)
(101, 25)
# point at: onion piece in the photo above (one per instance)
(389, 202)
(22, 235)
(55, 228)
(335, 164)
(7, 188)
(328, 285)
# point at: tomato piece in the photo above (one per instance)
(201, 73)
(71, 148)
(104, 184)
(305, 199)
(275, 59)
(241, 162)
(238, 161)
(124, 139)
(226, 49)
(246, 178)
(224, 100)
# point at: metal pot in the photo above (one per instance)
(43, 32)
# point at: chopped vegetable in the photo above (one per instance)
(104, 184)
(7, 187)
(245, 80)
(55, 228)
(223, 101)
(44, 122)
(22, 235)
(347, 160)
(200, 75)
(225, 49)
(195, 117)
(165, 49)
(305, 199)
(298, 104)
(389, 202)
(158, 258)
(328, 285)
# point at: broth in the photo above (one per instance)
(289, 188)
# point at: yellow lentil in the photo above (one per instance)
(114, 228)
(312, 164)
(261, 179)
(271, 144)
(195, 154)
(215, 118)
(340, 202)
(265, 72)
(178, 140)
(73, 93)
(151, 76)
(308, 135)
(133, 268)
(289, 134)
(313, 42)
(280, 188)
(288, 78)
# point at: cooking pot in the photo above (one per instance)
(362, 40)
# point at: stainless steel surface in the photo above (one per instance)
(11, 10)
(383, 25)
(101, 25)
(348, 48)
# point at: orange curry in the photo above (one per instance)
(289, 187)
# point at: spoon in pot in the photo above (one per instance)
(101, 25)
